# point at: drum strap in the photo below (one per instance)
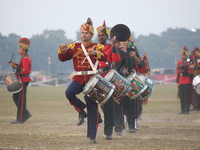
(88, 58)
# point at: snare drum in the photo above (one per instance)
(196, 83)
(99, 89)
(149, 90)
(13, 82)
(138, 86)
(122, 86)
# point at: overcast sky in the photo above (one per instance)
(29, 17)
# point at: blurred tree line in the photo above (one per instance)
(162, 50)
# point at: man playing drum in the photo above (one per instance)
(142, 71)
(104, 68)
(24, 69)
(195, 66)
(82, 65)
(129, 59)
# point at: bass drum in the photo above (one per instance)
(149, 90)
(99, 89)
(122, 86)
(196, 83)
(13, 82)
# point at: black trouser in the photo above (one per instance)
(196, 104)
(119, 116)
(130, 111)
(127, 107)
(20, 101)
(108, 110)
(139, 107)
(184, 95)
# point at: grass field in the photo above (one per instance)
(53, 124)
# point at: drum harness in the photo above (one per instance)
(94, 67)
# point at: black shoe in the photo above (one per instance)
(181, 113)
(108, 137)
(132, 130)
(119, 133)
(93, 141)
(186, 113)
(139, 118)
(16, 122)
(194, 109)
(28, 116)
(81, 117)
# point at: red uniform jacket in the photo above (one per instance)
(115, 57)
(183, 79)
(71, 53)
(25, 64)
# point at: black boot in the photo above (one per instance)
(93, 141)
(81, 117)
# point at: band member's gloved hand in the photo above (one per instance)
(62, 48)
(92, 51)
(12, 64)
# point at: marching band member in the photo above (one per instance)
(104, 68)
(142, 71)
(183, 80)
(24, 69)
(129, 59)
(84, 71)
(195, 56)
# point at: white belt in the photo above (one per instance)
(85, 72)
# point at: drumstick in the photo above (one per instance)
(11, 59)
(72, 42)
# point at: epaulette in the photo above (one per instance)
(99, 47)
(71, 46)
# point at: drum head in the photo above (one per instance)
(197, 88)
(196, 81)
(15, 87)
(110, 74)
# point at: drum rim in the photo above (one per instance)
(93, 85)
(123, 94)
(148, 94)
(16, 76)
(141, 91)
(15, 91)
(131, 76)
